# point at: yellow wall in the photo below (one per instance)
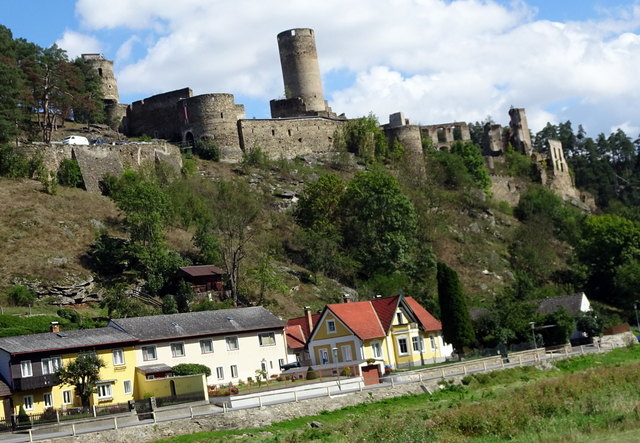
(117, 374)
(322, 331)
(161, 387)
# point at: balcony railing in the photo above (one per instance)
(41, 381)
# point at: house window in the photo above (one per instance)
(48, 399)
(25, 369)
(400, 318)
(118, 357)
(27, 402)
(324, 356)
(331, 326)
(376, 350)
(402, 346)
(220, 372)
(417, 344)
(346, 353)
(206, 346)
(434, 345)
(151, 377)
(66, 397)
(149, 353)
(104, 391)
(267, 339)
(281, 362)
(177, 349)
(51, 365)
(234, 371)
(232, 343)
(128, 388)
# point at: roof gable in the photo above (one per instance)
(386, 309)
(428, 321)
(359, 317)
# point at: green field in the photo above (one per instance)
(584, 399)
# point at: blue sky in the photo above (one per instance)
(437, 61)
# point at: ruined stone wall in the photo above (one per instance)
(408, 135)
(104, 69)
(156, 116)
(520, 136)
(212, 117)
(289, 138)
(505, 188)
(559, 179)
(444, 134)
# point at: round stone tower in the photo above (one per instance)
(300, 68)
(104, 68)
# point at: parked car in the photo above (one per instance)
(295, 364)
(75, 140)
(99, 141)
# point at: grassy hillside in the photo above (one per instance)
(592, 398)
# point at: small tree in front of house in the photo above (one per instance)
(83, 373)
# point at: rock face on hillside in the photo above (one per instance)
(74, 291)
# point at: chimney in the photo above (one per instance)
(55, 326)
(307, 313)
(346, 298)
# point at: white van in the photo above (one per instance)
(75, 140)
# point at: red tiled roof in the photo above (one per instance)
(199, 271)
(385, 308)
(360, 317)
(428, 321)
(297, 330)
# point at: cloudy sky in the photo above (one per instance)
(437, 61)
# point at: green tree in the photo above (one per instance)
(474, 162)
(589, 323)
(190, 369)
(363, 137)
(169, 305)
(379, 223)
(457, 328)
(83, 373)
(184, 295)
(560, 324)
(320, 204)
(69, 174)
(21, 295)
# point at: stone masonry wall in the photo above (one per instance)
(155, 116)
(289, 138)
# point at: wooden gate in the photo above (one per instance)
(371, 374)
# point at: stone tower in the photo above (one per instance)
(520, 137)
(301, 75)
(104, 68)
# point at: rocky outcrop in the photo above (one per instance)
(74, 291)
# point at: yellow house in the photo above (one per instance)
(28, 365)
(391, 332)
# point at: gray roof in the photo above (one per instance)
(570, 302)
(154, 369)
(54, 341)
(223, 321)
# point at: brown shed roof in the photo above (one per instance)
(202, 270)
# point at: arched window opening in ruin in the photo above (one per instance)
(100, 72)
(442, 135)
(189, 140)
(289, 131)
(221, 115)
(273, 132)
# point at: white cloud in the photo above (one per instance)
(435, 60)
(77, 44)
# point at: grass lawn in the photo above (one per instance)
(584, 399)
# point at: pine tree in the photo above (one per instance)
(457, 328)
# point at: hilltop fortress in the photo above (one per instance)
(302, 123)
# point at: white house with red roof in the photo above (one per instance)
(391, 332)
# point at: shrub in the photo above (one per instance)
(191, 369)
(21, 295)
(208, 150)
(254, 157)
(69, 174)
(311, 374)
(23, 418)
(346, 371)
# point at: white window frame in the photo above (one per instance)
(281, 362)
(104, 391)
(47, 404)
(26, 364)
(230, 340)
(417, 344)
(434, 343)
(234, 371)
(203, 344)
(324, 356)
(118, 357)
(346, 353)
(145, 353)
(27, 402)
(406, 346)
(51, 365)
(175, 347)
(399, 318)
(67, 397)
(127, 387)
(376, 349)
(220, 372)
(331, 326)
(271, 336)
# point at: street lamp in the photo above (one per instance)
(533, 333)
(335, 361)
